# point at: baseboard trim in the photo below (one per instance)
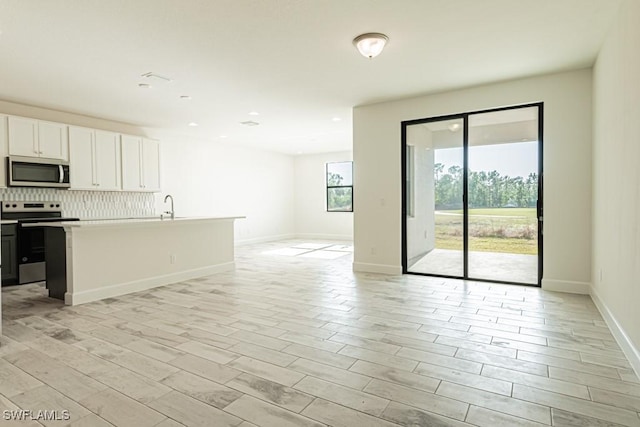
(319, 236)
(364, 267)
(75, 298)
(566, 286)
(625, 343)
(264, 239)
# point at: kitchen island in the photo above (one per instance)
(96, 259)
(6, 240)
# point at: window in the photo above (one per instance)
(340, 187)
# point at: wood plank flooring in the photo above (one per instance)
(293, 341)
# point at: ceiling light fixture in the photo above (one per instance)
(370, 45)
(254, 113)
(336, 119)
(193, 124)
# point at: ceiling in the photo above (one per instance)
(291, 61)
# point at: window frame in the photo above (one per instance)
(329, 187)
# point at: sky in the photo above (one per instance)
(344, 169)
(517, 159)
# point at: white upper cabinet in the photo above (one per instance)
(52, 140)
(23, 137)
(81, 158)
(131, 163)
(4, 150)
(94, 159)
(107, 160)
(140, 164)
(37, 138)
(98, 160)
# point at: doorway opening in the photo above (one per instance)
(472, 195)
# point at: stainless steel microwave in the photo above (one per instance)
(37, 172)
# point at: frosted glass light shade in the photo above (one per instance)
(370, 45)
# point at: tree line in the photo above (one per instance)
(340, 198)
(486, 189)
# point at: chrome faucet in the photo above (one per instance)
(171, 212)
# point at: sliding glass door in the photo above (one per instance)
(434, 191)
(472, 195)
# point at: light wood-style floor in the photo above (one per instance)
(293, 341)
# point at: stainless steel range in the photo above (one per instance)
(23, 246)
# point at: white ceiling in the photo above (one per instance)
(290, 60)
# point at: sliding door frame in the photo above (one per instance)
(465, 181)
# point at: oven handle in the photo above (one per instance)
(61, 174)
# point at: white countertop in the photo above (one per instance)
(129, 222)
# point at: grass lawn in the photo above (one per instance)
(506, 230)
(526, 212)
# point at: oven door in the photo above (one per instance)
(36, 172)
(31, 266)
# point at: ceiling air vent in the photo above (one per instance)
(250, 123)
(156, 77)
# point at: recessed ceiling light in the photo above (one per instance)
(336, 119)
(185, 97)
(223, 136)
(193, 124)
(299, 152)
(254, 113)
(144, 85)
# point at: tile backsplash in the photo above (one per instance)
(87, 204)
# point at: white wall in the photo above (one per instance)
(207, 178)
(421, 226)
(567, 165)
(616, 180)
(311, 217)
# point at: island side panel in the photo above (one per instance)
(104, 262)
(55, 261)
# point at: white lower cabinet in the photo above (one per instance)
(94, 159)
(140, 164)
